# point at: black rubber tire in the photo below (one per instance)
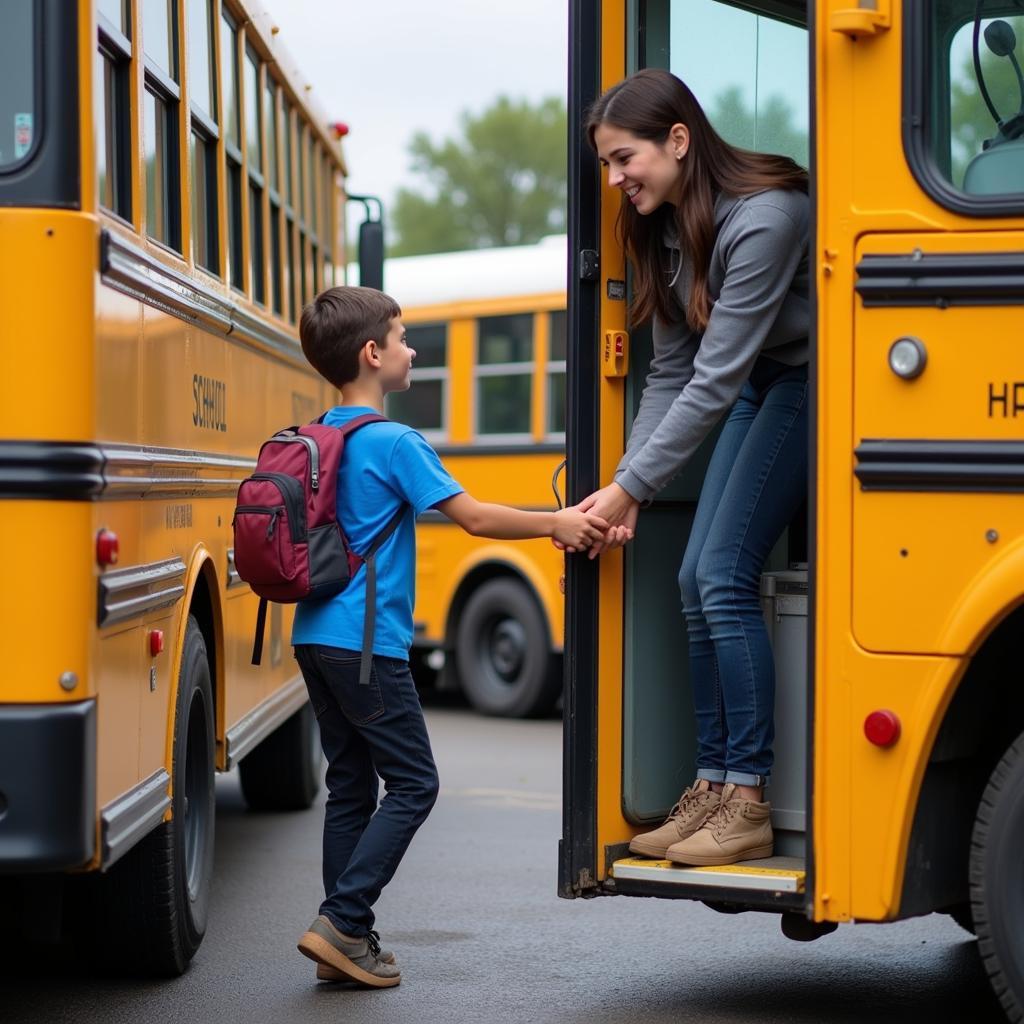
(283, 773)
(997, 880)
(503, 658)
(148, 913)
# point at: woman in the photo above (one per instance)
(717, 238)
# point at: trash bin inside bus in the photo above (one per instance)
(784, 603)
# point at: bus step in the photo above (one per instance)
(773, 874)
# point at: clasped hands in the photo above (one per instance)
(617, 507)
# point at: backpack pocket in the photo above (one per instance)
(269, 522)
(264, 552)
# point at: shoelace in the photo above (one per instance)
(373, 941)
(688, 798)
(721, 815)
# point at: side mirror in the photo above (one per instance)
(371, 254)
(371, 243)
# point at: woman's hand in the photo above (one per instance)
(575, 528)
(613, 503)
(620, 534)
(619, 508)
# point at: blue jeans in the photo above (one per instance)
(754, 486)
(366, 732)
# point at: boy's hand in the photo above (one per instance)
(576, 529)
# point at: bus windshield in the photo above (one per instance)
(18, 116)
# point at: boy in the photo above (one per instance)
(355, 339)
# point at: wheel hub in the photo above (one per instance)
(507, 648)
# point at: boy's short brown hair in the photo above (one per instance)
(338, 323)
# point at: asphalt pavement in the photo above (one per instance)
(481, 936)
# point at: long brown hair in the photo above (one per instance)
(647, 104)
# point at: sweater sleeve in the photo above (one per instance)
(671, 368)
(761, 255)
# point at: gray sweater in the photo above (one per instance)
(758, 282)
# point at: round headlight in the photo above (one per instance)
(907, 357)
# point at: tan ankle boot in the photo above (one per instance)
(737, 830)
(696, 803)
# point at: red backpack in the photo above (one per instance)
(289, 545)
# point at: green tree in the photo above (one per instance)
(502, 181)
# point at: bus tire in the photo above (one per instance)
(996, 881)
(283, 772)
(148, 913)
(503, 659)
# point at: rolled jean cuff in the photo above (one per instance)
(744, 779)
(711, 774)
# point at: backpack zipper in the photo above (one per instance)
(314, 455)
(274, 511)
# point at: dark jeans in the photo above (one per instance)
(754, 486)
(366, 732)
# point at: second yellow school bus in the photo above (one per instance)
(488, 392)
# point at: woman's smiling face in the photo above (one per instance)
(647, 172)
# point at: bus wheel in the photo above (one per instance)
(283, 773)
(148, 913)
(997, 882)
(504, 663)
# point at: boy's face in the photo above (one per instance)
(396, 359)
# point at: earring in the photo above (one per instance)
(679, 155)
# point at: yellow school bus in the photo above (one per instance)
(169, 198)
(898, 613)
(488, 392)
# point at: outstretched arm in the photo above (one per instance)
(570, 526)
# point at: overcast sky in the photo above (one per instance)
(389, 68)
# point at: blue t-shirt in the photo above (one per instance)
(384, 465)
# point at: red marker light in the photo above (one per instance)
(156, 642)
(882, 728)
(107, 546)
(339, 128)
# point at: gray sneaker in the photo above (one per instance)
(355, 959)
(683, 820)
(325, 972)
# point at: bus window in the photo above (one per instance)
(111, 96)
(555, 425)
(273, 122)
(254, 153)
(17, 84)
(973, 151)
(504, 375)
(232, 148)
(160, 121)
(758, 98)
(423, 405)
(203, 137)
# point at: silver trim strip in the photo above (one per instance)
(131, 270)
(264, 719)
(233, 579)
(141, 471)
(126, 593)
(133, 816)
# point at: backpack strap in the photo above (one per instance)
(261, 624)
(370, 612)
(370, 557)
